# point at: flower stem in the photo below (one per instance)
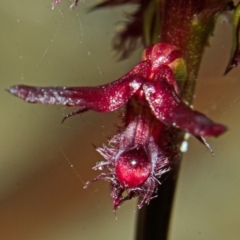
(154, 219)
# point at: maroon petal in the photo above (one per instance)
(104, 98)
(171, 110)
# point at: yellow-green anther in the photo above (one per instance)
(179, 69)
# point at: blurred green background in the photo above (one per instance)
(41, 195)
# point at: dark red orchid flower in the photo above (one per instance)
(141, 151)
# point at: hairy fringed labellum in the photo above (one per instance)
(133, 168)
(143, 148)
